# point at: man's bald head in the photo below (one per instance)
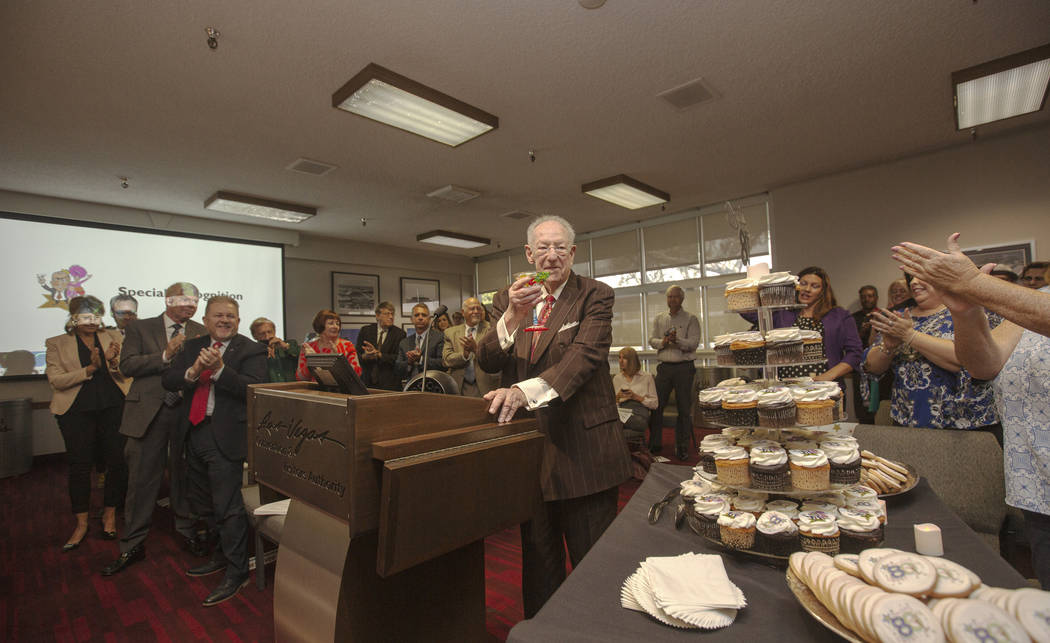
(473, 312)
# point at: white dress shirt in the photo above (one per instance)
(538, 393)
(214, 377)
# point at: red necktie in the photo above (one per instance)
(545, 314)
(199, 404)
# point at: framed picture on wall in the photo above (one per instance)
(355, 294)
(415, 291)
(1013, 256)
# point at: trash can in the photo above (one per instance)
(16, 437)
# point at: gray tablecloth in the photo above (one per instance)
(587, 606)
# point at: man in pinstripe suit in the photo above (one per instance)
(563, 375)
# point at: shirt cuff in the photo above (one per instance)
(186, 376)
(506, 339)
(216, 374)
(538, 393)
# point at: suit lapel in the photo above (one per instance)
(559, 315)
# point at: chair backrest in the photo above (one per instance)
(965, 468)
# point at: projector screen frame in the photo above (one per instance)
(79, 223)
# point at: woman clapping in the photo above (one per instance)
(88, 400)
(930, 389)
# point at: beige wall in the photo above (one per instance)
(308, 268)
(992, 191)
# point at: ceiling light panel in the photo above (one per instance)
(251, 206)
(382, 95)
(452, 239)
(1004, 88)
(626, 192)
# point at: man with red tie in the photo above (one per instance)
(562, 374)
(213, 372)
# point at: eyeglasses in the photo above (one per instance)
(561, 251)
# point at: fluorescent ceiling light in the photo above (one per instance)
(390, 98)
(1001, 89)
(453, 239)
(625, 192)
(253, 206)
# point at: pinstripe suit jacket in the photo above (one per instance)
(585, 451)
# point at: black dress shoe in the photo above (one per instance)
(227, 590)
(681, 453)
(199, 546)
(131, 556)
(109, 535)
(212, 566)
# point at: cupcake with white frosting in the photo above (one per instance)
(777, 289)
(723, 352)
(707, 509)
(751, 502)
(737, 529)
(809, 469)
(710, 402)
(812, 346)
(776, 408)
(769, 468)
(784, 346)
(874, 506)
(857, 493)
(858, 530)
(741, 406)
(748, 348)
(731, 463)
(814, 406)
(844, 459)
(809, 504)
(776, 534)
(742, 294)
(708, 446)
(818, 531)
(785, 506)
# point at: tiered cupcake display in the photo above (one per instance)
(797, 492)
(772, 404)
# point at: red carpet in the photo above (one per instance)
(46, 595)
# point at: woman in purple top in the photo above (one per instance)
(842, 347)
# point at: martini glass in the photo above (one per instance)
(535, 278)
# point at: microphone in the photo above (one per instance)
(442, 309)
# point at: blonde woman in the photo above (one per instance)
(635, 390)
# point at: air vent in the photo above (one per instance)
(315, 168)
(454, 193)
(692, 93)
(517, 215)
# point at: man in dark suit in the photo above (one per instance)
(213, 373)
(563, 375)
(377, 350)
(424, 341)
(149, 422)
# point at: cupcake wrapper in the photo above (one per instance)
(855, 542)
(708, 527)
(815, 416)
(750, 356)
(710, 467)
(777, 544)
(737, 538)
(845, 473)
(734, 474)
(826, 544)
(740, 300)
(813, 352)
(777, 418)
(779, 295)
(714, 415)
(770, 480)
(786, 353)
(810, 479)
(742, 417)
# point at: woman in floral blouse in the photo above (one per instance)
(930, 388)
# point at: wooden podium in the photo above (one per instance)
(392, 495)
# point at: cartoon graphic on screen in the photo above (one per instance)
(65, 285)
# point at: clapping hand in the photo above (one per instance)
(370, 350)
(96, 358)
(174, 345)
(469, 344)
(950, 273)
(894, 326)
(112, 351)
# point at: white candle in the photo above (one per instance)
(928, 539)
(757, 270)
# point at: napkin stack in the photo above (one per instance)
(689, 591)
